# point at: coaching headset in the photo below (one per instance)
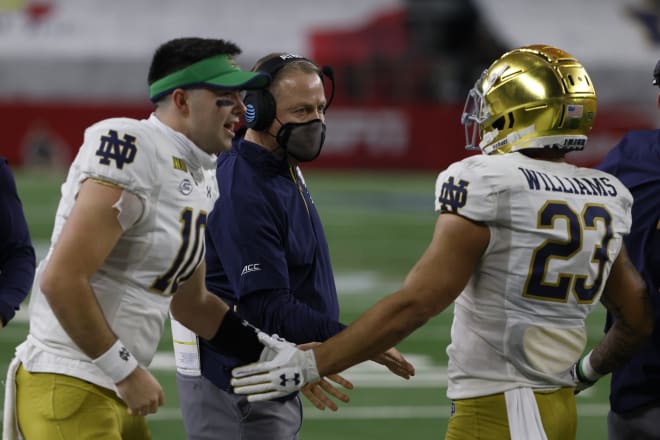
(260, 103)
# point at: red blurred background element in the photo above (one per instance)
(396, 105)
(377, 136)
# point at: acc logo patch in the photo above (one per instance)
(254, 267)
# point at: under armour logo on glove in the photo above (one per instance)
(295, 379)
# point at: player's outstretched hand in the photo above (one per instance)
(396, 363)
(286, 370)
(141, 392)
(317, 393)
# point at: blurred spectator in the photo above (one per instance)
(17, 260)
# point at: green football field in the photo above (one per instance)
(377, 225)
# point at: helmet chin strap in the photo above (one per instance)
(510, 140)
(487, 140)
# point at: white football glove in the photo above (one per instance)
(268, 353)
(583, 374)
(282, 369)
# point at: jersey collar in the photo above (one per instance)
(195, 156)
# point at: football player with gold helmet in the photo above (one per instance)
(525, 245)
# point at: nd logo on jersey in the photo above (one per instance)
(452, 196)
(122, 151)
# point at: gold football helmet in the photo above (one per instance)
(531, 97)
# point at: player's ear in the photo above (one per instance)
(180, 100)
(658, 101)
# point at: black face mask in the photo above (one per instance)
(302, 141)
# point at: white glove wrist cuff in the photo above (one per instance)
(117, 362)
(311, 371)
(586, 370)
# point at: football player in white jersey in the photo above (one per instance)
(128, 235)
(525, 246)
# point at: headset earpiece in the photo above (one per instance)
(260, 111)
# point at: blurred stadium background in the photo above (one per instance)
(402, 70)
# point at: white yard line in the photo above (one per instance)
(385, 412)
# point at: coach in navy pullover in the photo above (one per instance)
(266, 253)
(17, 261)
(636, 162)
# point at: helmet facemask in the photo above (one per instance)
(473, 114)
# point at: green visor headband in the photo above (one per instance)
(218, 72)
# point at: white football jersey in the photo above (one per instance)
(555, 230)
(173, 179)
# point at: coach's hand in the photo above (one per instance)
(288, 371)
(141, 392)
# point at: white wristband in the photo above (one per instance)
(117, 362)
(586, 369)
